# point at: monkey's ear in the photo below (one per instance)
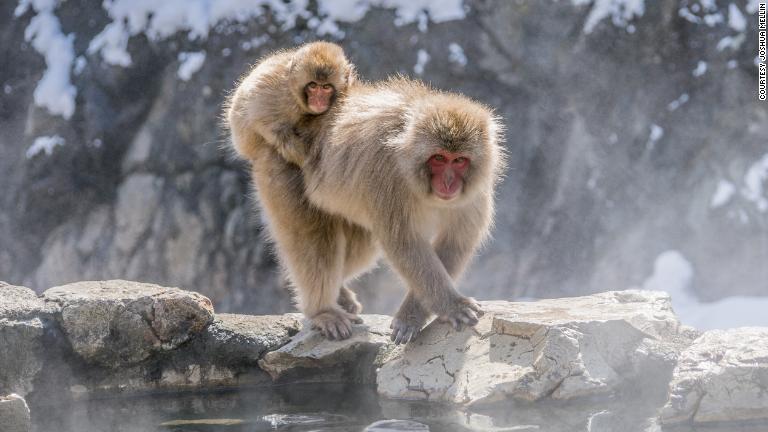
(351, 75)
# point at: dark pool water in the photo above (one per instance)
(341, 408)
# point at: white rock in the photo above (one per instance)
(559, 348)
(722, 376)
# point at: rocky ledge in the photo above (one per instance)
(91, 338)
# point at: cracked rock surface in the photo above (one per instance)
(558, 348)
(116, 323)
(310, 356)
(722, 376)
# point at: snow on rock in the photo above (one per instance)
(723, 194)
(754, 182)
(656, 133)
(44, 144)
(54, 91)
(456, 54)
(677, 103)
(620, 11)
(422, 58)
(721, 377)
(190, 63)
(701, 69)
(159, 20)
(560, 348)
(736, 19)
(673, 273)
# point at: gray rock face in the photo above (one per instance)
(117, 323)
(309, 356)
(723, 376)
(14, 414)
(21, 337)
(558, 348)
(244, 339)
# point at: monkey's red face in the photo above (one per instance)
(447, 172)
(319, 97)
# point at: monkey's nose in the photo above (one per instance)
(448, 178)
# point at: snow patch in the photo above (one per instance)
(677, 103)
(422, 58)
(736, 19)
(732, 42)
(190, 63)
(723, 194)
(620, 11)
(54, 91)
(456, 54)
(754, 181)
(673, 273)
(701, 69)
(44, 144)
(712, 20)
(656, 133)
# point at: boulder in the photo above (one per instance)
(241, 340)
(560, 348)
(14, 414)
(310, 356)
(22, 326)
(118, 323)
(722, 376)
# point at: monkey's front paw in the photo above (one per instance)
(405, 330)
(464, 310)
(334, 324)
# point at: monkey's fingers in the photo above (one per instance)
(472, 304)
(455, 323)
(410, 334)
(401, 332)
(355, 319)
(467, 316)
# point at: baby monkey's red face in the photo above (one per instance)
(319, 96)
(447, 172)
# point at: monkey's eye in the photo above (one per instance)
(438, 158)
(327, 86)
(312, 85)
(460, 160)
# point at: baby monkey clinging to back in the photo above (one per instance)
(272, 103)
(276, 109)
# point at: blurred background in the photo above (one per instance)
(638, 148)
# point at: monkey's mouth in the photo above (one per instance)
(318, 105)
(447, 192)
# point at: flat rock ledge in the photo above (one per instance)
(558, 348)
(722, 376)
(89, 338)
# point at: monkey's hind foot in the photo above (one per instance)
(404, 331)
(464, 310)
(348, 301)
(334, 324)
